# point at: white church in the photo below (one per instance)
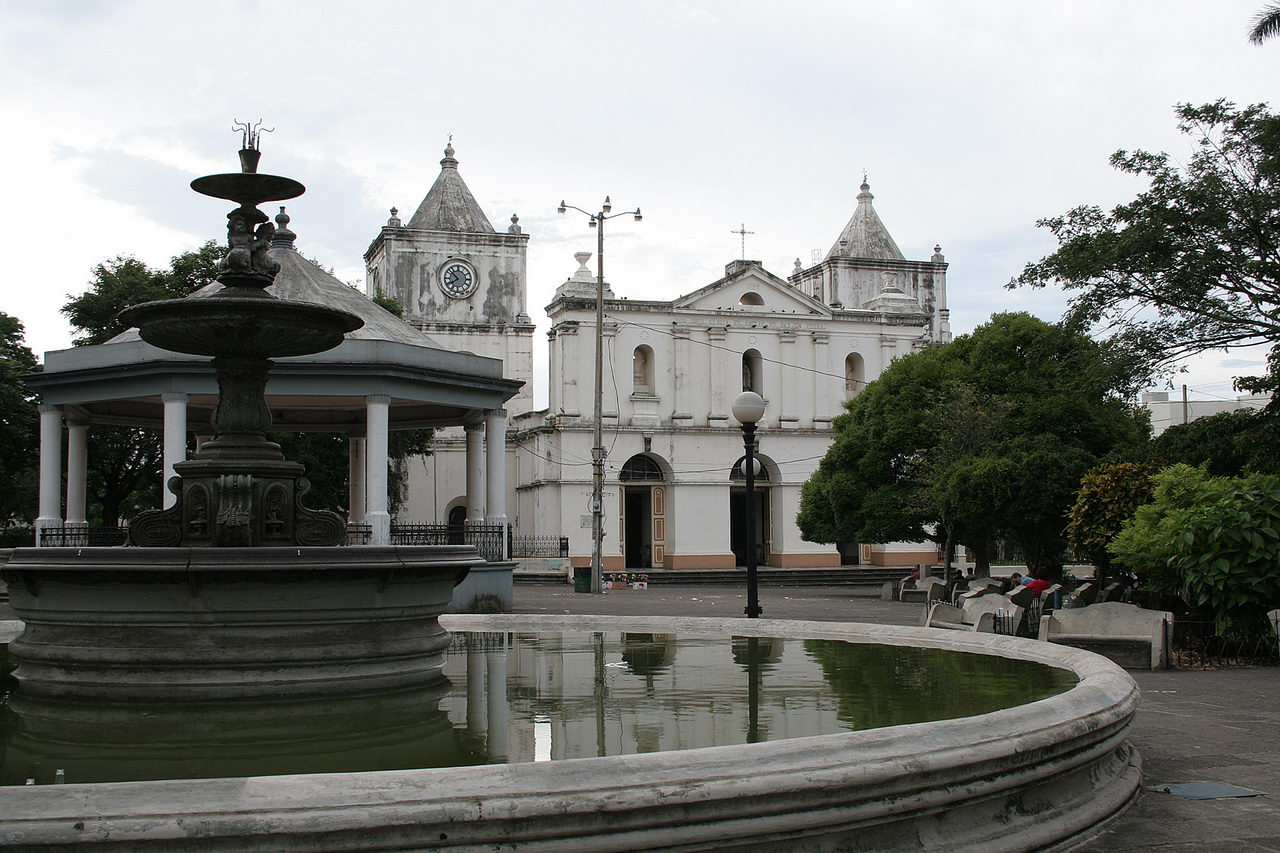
(674, 487)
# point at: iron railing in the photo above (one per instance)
(1203, 644)
(80, 536)
(490, 539)
(525, 545)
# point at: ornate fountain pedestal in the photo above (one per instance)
(231, 598)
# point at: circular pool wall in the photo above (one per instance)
(1040, 776)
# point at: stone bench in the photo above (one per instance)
(1124, 633)
(976, 614)
(925, 590)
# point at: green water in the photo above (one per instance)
(525, 697)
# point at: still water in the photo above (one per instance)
(513, 697)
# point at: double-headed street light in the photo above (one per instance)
(596, 221)
(748, 408)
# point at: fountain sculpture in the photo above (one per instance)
(238, 590)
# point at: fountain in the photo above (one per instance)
(238, 590)
(240, 593)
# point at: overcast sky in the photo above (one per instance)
(971, 119)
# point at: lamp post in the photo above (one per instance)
(596, 221)
(748, 408)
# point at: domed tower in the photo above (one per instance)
(458, 280)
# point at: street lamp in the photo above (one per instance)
(748, 408)
(596, 221)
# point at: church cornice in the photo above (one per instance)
(455, 238)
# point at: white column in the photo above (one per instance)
(77, 471)
(175, 441)
(823, 405)
(377, 423)
(475, 472)
(720, 375)
(788, 380)
(495, 446)
(50, 468)
(355, 479)
(680, 366)
(570, 370)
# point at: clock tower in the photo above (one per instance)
(461, 282)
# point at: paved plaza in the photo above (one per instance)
(1218, 726)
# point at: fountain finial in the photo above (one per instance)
(250, 134)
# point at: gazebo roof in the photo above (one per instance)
(124, 380)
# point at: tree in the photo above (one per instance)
(1192, 263)
(1109, 496)
(18, 430)
(1228, 444)
(1145, 543)
(1266, 25)
(986, 436)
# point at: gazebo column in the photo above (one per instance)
(50, 468)
(475, 472)
(175, 442)
(356, 471)
(77, 472)
(495, 446)
(377, 423)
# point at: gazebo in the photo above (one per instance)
(384, 376)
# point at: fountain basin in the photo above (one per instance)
(195, 624)
(1040, 776)
(258, 326)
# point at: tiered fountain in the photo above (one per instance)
(238, 590)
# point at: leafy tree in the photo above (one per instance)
(1038, 405)
(18, 431)
(1109, 495)
(1227, 444)
(1192, 263)
(1227, 551)
(1145, 543)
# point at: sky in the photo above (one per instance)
(971, 118)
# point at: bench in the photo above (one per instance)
(1125, 633)
(976, 614)
(925, 590)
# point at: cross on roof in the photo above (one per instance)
(742, 232)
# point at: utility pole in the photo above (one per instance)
(597, 220)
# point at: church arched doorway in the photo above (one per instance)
(738, 512)
(643, 513)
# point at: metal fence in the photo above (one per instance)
(489, 539)
(524, 545)
(1205, 645)
(80, 536)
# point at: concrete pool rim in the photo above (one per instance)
(1041, 776)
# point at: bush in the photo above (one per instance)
(1109, 496)
(1227, 551)
(1145, 544)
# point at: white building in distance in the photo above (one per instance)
(674, 487)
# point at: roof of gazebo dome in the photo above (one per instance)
(124, 380)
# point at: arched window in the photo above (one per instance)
(640, 467)
(642, 370)
(752, 374)
(854, 375)
(751, 298)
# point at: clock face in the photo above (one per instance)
(457, 280)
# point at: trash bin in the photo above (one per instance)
(582, 579)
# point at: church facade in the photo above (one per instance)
(674, 490)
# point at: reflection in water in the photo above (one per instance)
(526, 697)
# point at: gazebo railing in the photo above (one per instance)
(490, 539)
(525, 545)
(82, 536)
